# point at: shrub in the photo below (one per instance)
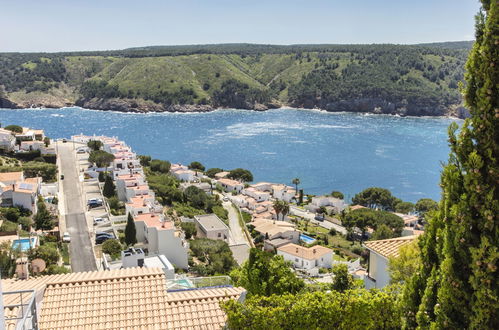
(112, 247)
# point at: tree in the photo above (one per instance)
(216, 254)
(404, 207)
(14, 128)
(212, 171)
(337, 194)
(94, 145)
(130, 231)
(342, 279)
(102, 176)
(382, 232)
(144, 160)
(43, 218)
(161, 166)
(100, 158)
(196, 166)
(425, 205)
(46, 252)
(189, 229)
(46, 141)
(457, 285)
(364, 218)
(277, 205)
(406, 264)
(353, 309)
(296, 182)
(25, 222)
(112, 247)
(266, 274)
(375, 197)
(109, 189)
(241, 175)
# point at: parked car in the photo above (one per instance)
(66, 237)
(225, 199)
(62, 176)
(98, 221)
(102, 239)
(81, 151)
(98, 234)
(94, 202)
(64, 140)
(319, 217)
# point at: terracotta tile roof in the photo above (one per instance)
(229, 182)
(198, 309)
(11, 176)
(357, 207)
(310, 253)
(154, 220)
(389, 247)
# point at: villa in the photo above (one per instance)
(15, 190)
(7, 140)
(231, 185)
(307, 258)
(210, 226)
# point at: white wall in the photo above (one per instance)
(378, 269)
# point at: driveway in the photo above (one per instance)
(81, 251)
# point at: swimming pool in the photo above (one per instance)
(307, 239)
(24, 243)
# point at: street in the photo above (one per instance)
(311, 216)
(81, 252)
(237, 240)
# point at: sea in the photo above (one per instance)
(327, 151)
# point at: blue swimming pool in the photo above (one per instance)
(24, 243)
(307, 239)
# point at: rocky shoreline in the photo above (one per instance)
(374, 106)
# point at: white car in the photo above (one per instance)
(66, 238)
(225, 199)
(98, 221)
(81, 151)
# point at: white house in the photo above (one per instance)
(184, 175)
(161, 237)
(337, 203)
(210, 226)
(22, 192)
(31, 145)
(379, 252)
(7, 140)
(259, 196)
(142, 204)
(126, 181)
(307, 258)
(231, 185)
(283, 192)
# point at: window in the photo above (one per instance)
(296, 260)
(219, 234)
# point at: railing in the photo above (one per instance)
(192, 283)
(25, 317)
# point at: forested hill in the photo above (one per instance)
(398, 79)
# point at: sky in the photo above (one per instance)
(71, 25)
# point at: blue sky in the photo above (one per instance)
(51, 25)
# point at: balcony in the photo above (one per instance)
(21, 310)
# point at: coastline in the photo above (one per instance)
(452, 112)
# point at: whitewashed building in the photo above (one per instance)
(307, 258)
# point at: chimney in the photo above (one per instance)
(296, 250)
(314, 251)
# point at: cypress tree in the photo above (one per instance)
(457, 285)
(109, 189)
(130, 231)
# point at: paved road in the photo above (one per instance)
(82, 256)
(311, 216)
(237, 235)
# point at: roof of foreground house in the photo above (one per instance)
(389, 247)
(309, 253)
(130, 298)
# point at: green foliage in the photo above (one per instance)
(25, 223)
(266, 274)
(47, 252)
(130, 231)
(357, 309)
(196, 166)
(8, 226)
(239, 95)
(100, 158)
(94, 145)
(406, 264)
(14, 128)
(160, 166)
(7, 259)
(10, 213)
(456, 285)
(189, 229)
(43, 219)
(382, 232)
(55, 269)
(342, 280)
(222, 213)
(112, 247)
(145, 160)
(246, 216)
(212, 171)
(404, 207)
(109, 189)
(102, 176)
(425, 205)
(216, 253)
(364, 218)
(241, 175)
(337, 194)
(375, 197)
(281, 208)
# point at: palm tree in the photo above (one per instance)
(277, 207)
(284, 209)
(296, 182)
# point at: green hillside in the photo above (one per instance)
(415, 79)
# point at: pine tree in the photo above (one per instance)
(130, 231)
(109, 189)
(457, 285)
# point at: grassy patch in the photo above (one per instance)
(65, 253)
